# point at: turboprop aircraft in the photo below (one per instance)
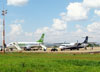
(73, 46)
(28, 45)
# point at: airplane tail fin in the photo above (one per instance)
(86, 40)
(41, 40)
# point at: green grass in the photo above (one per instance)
(49, 62)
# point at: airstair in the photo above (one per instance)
(17, 46)
(43, 46)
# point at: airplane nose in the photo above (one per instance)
(61, 47)
(8, 45)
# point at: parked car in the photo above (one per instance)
(54, 49)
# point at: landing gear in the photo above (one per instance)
(62, 49)
(71, 49)
(11, 49)
(44, 49)
(77, 48)
(85, 48)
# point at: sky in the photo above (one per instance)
(60, 20)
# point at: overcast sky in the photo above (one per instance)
(60, 20)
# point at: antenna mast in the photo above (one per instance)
(4, 12)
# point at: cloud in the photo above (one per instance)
(75, 11)
(59, 24)
(17, 33)
(58, 31)
(16, 30)
(79, 31)
(79, 28)
(92, 3)
(29, 34)
(53, 33)
(94, 27)
(43, 30)
(17, 2)
(97, 12)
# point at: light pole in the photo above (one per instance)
(4, 12)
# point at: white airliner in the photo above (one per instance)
(72, 46)
(27, 45)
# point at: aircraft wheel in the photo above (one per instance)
(62, 49)
(77, 48)
(85, 48)
(71, 49)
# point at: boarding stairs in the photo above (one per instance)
(17, 46)
(43, 46)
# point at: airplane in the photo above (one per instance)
(73, 46)
(28, 45)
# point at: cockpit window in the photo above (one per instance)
(14, 43)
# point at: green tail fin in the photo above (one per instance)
(41, 40)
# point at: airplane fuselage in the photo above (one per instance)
(23, 44)
(73, 46)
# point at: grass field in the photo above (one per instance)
(49, 62)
